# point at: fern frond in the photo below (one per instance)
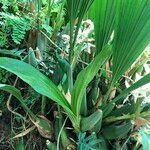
(3, 36)
(18, 24)
(88, 143)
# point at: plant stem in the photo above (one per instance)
(52, 42)
(43, 105)
(27, 109)
(62, 135)
(107, 94)
(22, 103)
(71, 42)
(124, 117)
(59, 135)
(50, 3)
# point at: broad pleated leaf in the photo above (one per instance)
(85, 77)
(102, 12)
(132, 34)
(77, 10)
(36, 80)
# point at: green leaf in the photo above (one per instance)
(65, 66)
(12, 90)
(88, 143)
(78, 8)
(108, 109)
(145, 135)
(124, 110)
(76, 11)
(20, 145)
(92, 122)
(36, 80)
(50, 145)
(132, 34)
(44, 126)
(32, 58)
(102, 13)
(16, 93)
(85, 77)
(136, 85)
(117, 131)
(8, 52)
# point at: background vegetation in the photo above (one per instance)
(74, 74)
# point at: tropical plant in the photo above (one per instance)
(88, 86)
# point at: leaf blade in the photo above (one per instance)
(35, 79)
(132, 34)
(102, 13)
(82, 81)
(145, 80)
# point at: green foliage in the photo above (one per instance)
(45, 87)
(3, 35)
(17, 24)
(131, 34)
(8, 5)
(92, 122)
(41, 123)
(117, 131)
(88, 143)
(82, 82)
(91, 71)
(76, 10)
(103, 14)
(145, 138)
(42, 85)
(136, 85)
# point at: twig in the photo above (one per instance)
(52, 42)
